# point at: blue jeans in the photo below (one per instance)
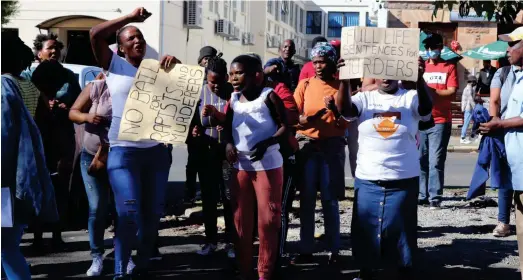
(433, 153)
(467, 117)
(97, 190)
(316, 173)
(505, 197)
(138, 178)
(13, 262)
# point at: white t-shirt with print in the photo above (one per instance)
(119, 81)
(387, 135)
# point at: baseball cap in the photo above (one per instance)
(433, 40)
(516, 35)
(336, 43)
(471, 78)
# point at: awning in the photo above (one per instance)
(57, 20)
(492, 51)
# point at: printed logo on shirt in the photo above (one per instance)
(386, 126)
(435, 78)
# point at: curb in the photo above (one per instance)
(462, 149)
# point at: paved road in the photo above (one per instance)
(181, 262)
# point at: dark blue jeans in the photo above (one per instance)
(13, 262)
(138, 178)
(97, 190)
(433, 154)
(505, 197)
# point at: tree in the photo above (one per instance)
(9, 9)
(503, 11)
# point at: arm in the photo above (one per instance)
(495, 94)
(230, 150)
(79, 111)
(425, 103)
(101, 32)
(452, 83)
(515, 122)
(343, 99)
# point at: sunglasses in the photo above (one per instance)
(512, 44)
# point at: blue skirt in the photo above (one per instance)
(384, 223)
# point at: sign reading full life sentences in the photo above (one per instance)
(161, 103)
(381, 53)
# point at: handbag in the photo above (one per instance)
(99, 163)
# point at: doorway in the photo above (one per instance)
(79, 48)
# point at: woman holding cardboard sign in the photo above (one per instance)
(387, 176)
(138, 171)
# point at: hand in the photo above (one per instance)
(231, 153)
(317, 116)
(329, 102)
(272, 69)
(493, 125)
(196, 131)
(421, 68)
(168, 61)
(62, 106)
(52, 102)
(209, 111)
(259, 150)
(94, 119)
(219, 128)
(341, 63)
(139, 15)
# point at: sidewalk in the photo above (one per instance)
(456, 147)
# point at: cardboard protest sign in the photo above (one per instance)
(381, 53)
(161, 103)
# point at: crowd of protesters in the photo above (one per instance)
(261, 132)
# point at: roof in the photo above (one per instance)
(56, 20)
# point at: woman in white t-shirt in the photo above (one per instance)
(387, 177)
(138, 171)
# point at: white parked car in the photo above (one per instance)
(83, 73)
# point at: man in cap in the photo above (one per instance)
(442, 78)
(511, 123)
(283, 68)
(206, 53)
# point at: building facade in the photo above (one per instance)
(178, 28)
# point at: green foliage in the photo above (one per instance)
(503, 11)
(9, 9)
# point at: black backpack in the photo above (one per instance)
(505, 70)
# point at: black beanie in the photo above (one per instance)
(207, 51)
(317, 40)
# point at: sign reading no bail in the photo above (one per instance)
(161, 103)
(381, 53)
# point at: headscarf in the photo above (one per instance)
(324, 49)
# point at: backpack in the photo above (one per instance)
(505, 70)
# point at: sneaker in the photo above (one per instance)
(96, 268)
(435, 205)
(464, 141)
(207, 249)
(156, 256)
(231, 254)
(501, 230)
(130, 267)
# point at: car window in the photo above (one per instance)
(90, 76)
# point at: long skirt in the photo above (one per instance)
(384, 225)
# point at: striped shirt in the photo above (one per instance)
(30, 95)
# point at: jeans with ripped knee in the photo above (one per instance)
(138, 177)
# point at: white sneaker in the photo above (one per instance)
(96, 268)
(207, 249)
(130, 267)
(231, 254)
(464, 141)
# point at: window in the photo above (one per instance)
(284, 34)
(369, 23)
(284, 11)
(338, 20)
(269, 7)
(225, 10)
(216, 6)
(269, 26)
(291, 14)
(242, 6)
(277, 11)
(235, 4)
(211, 5)
(302, 22)
(234, 15)
(296, 16)
(314, 23)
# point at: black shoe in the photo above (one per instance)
(334, 258)
(302, 259)
(435, 205)
(423, 202)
